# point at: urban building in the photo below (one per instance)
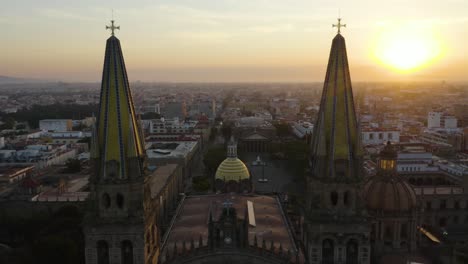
(302, 128)
(171, 126)
(379, 136)
(58, 125)
(441, 120)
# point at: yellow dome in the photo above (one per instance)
(232, 169)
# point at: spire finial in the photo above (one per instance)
(112, 27)
(339, 25)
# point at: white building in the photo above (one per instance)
(444, 137)
(164, 126)
(441, 120)
(57, 125)
(300, 129)
(415, 159)
(433, 119)
(377, 136)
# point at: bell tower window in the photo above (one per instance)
(120, 200)
(334, 198)
(106, 201)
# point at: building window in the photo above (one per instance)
(404, 231)
(428, 206)
(106, 201)
(102, 252)
(442, 222)
(328, 251)
(456, 205)
(126, 252)
(390, 136)
(443, 204)
(346, 198)
(334, 198)
(120, 200)
(388, 236)
(352, 252)
(380, 136)
(371, 136)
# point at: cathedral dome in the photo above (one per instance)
(389, 194)
(232, 169)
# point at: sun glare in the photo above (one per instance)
(406, 48)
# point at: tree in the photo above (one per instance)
(8, 123)
(150, 115)
(85, 140)
(56, 249)
(201, 184)
(61, 111)
(226, 130)
(73, 165)
(282, 129)
(213, 133)
(213, 157)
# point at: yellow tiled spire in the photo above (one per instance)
(336, 150)
(118, 137)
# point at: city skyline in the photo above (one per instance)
(258, 41)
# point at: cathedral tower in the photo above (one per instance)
(335, 227)
(114, 225)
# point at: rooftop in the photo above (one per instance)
(170, 149)
(192, 220)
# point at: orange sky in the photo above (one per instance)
(223, 40)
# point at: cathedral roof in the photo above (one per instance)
(117, 137)
(191, 221)
(232, 169)
(336, 148)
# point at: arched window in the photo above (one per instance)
(102, 252)
(120, 200)
(106, 201)
(404, 231)
(419, 181)
(443, 204)
(352, 252)
(346, 199)
(334, 198)
(388, 235)
(442, 222)
(328, 251)
(126, 252)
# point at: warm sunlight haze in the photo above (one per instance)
(407, 48)
(231, 41)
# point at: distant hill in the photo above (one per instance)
(15, 80)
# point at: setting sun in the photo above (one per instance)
(407, 48)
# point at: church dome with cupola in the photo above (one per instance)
(232, 174)
(392, 204)
(387, 192)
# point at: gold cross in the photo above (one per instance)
(112, 27)
(339, 25)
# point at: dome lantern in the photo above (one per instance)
(388, 158)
